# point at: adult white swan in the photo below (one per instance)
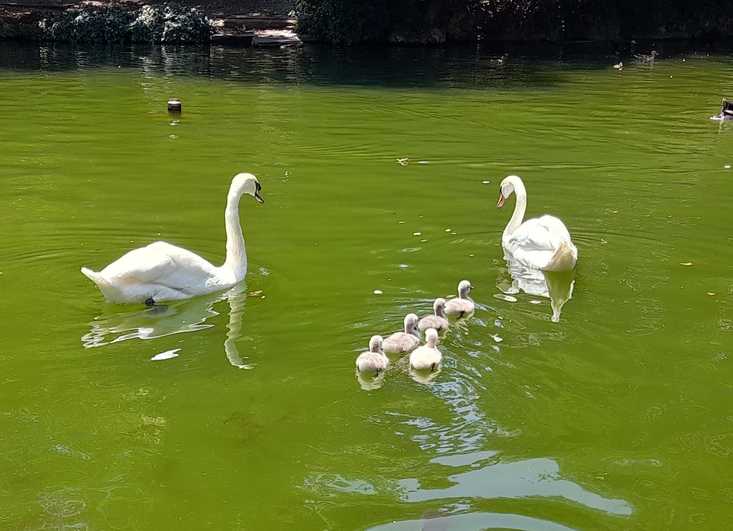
(540, 243)
(163, 272)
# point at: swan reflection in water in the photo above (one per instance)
(173, 318)
(555, 285)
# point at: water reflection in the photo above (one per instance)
(370, 382)
(538, 477)
(554, 285)
(478, 520)
(175, 318)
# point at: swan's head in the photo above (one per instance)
(439, 307)
(411, 323)
(375, 344)
(464, 288)
(507, 187)
(246, 183)
(431, 337)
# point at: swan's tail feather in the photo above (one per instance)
(563, 259)
(92, 275)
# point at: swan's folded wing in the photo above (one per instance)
(144, 265)
(531, 235)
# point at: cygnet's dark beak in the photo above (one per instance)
(500, 202)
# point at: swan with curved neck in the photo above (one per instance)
(162, 272)
(540, 243)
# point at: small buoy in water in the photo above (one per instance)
(174, 105)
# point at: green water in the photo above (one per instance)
(617, 417)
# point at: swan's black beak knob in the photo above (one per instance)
(258, 189)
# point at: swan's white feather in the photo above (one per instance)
(425, 358)
(160, 263)
(542, 243)
(162, 271)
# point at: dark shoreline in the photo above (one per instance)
(188, 23)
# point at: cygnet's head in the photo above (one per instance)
(464, 288)
(439, 307)
(246, 183)
(375, 344)
(507, 187)
(431, 337)
(411, 323)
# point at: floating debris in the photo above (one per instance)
(619, 65)
(153, 421)
(417, 233)
(448, 230)
(504, 297)
(174, 106)
(535, 301)
(423, 162)
(711, 293)
(168, 354)
(255, 293)
(497, 338)
(686, 264)
(404, 266)
(403, 161)
(378, 292)
(727, 166)
(486, 182)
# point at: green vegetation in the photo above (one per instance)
(166, 23)
(435, 21)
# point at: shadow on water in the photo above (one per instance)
(174, 318)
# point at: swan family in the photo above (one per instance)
(424, 360)
(164, 272)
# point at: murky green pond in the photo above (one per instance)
(617, 417)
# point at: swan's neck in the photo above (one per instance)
(431, 342)
(520, 206)
(236, 261)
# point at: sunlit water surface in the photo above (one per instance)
(616, 417)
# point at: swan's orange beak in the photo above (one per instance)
(500, 202)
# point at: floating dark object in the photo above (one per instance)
(174, 105)
(726, 111)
